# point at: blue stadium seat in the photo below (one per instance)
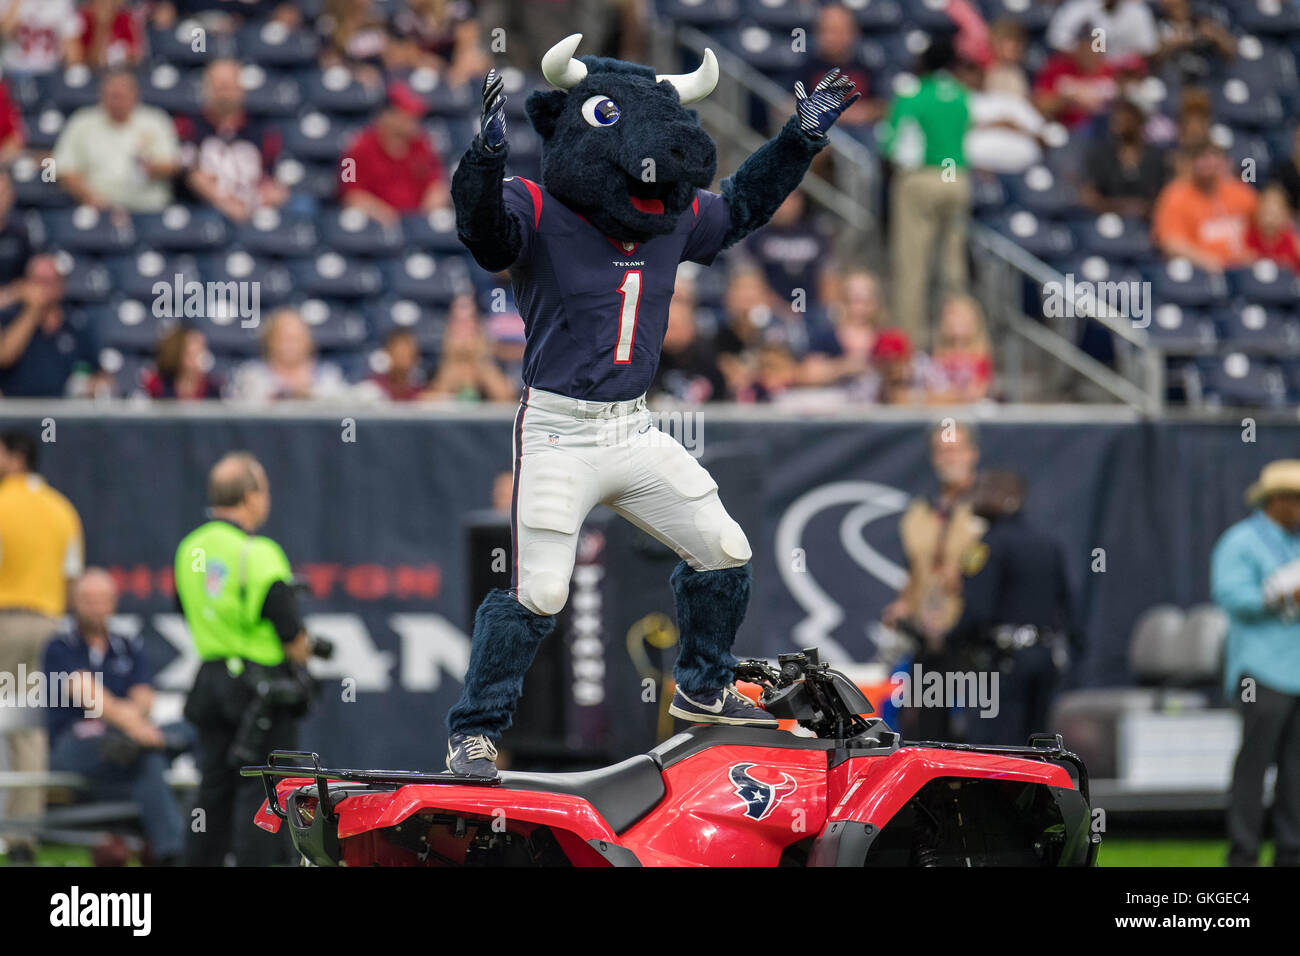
(178, 45)
(228, 336)
(334, 90)
(32, 187)
(781, 16)
(1241, 381)
(1267, 17)
(988, 195)
(273, 44)
(460, 101)
(127, 371)
(70, 89)
(1114, 237)
(272, 279)
(86, 229)
(316, 137)
(272, 233)
(333, 276)
(172, 89)
(128, 325)
(1291, 377)
(1041, 238)
(1180, 331)
(434, 233)
(1258, 329)
(698, 13)
(85, 278)
(319, 180)
(335, 326)
(762, 49)
(1239, 104)
(1033, 16)
(353, 233)
(43, 128)
(1266, 283)
(1043, 193)
(1180, 282)
(135, 275)
(927, 15)
(428, 280)
(426, 322)
(1262, 65)
(876, 16)
(183, 229)
(270, 94)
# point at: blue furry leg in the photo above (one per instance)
(710, 607)
(505, 641)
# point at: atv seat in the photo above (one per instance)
(622, 793)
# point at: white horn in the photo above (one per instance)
(693, 87)
(560, 68)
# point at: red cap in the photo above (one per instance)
(402, 97)
(892, 344)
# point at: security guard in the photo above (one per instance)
(235, 589)
(1016, 618)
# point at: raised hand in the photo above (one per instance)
(492, 120)
(818, 112)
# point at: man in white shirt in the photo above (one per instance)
(119, 154)
(38, 35)
(1127, 27)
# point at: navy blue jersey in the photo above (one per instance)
(122, 666)
(595, 309)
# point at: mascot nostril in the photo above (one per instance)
(593, 252)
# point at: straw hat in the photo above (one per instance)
(1276, 477)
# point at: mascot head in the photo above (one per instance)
(617, 144)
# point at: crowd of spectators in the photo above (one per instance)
(796, 320)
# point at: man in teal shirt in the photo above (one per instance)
(1255, 578)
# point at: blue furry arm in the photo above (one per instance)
(767, 177)
(483, 223)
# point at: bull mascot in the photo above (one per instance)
(593, 252)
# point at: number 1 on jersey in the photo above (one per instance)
(631, 292)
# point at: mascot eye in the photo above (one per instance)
(600, 111)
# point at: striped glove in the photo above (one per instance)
(492, 121)
(833, 95)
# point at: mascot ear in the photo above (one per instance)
(543, 108)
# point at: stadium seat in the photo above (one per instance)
(1258, 329)
(781, 16)
(1236, 380)
(1266, 283)
(1178, 331)
(1205, 632)
(431, 281)
(1267, 17)
(127, 371)
(172, 89)
(427, 323)
(136, 275)
(70, 89)
(1031, 15)
(128, 325)
(85, 279)
(457, 102)
(928, 15)
(269, 94)
(271, 278)
(269, 232)
(876, 16)
(228, 336)
(765, 51)
(188, 43)
(44, 128)
(335, 90)
(698, 13)
(320, 181)
(34, 185)
(183, 229)
(275, 45)
(1180, 282)
(318, 138)
(1043, 193)
(1239, 104)
(86, 229)
(435, 233)
(334, 326)
(1156, 648)
(1046, 240)
(1114, 237)
(353, 233)
(333, 276)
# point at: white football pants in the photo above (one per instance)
(571, 455)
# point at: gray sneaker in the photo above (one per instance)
(471, 755)
(724, 706)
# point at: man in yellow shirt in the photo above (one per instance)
(41, 552)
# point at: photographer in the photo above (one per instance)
(235, 590)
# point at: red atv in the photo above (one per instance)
(851, 795)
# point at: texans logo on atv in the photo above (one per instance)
(760, 798)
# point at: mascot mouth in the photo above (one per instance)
(648, 196)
